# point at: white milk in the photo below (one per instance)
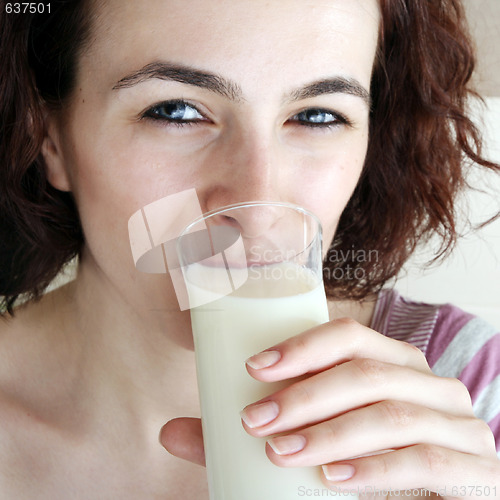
(226, 333)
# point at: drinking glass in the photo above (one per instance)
(253, 274)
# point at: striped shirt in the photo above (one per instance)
(456, 344)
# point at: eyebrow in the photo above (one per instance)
(334, 85)
(231, 90)
(182, 74)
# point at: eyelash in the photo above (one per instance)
(338, 119)
(153, 114)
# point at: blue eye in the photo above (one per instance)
(178, 112)
(317, 117)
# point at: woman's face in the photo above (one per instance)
(241, 100)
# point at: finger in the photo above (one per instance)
(329, 345)
(380, 427)
(446, 472)
(349, 386)
(183, 438)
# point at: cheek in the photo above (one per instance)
(117, 175)
(327, 189)
(111, 181)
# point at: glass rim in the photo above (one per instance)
(245, 204)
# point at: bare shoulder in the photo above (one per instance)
(17, 345)
(23, 339)
(16, 358)
(27, 389)
(33, 345)
(26, 342)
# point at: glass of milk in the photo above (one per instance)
(253, 274)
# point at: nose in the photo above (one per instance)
(251, 166)
(253, 222)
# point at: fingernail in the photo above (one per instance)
(338, 472)
(287, 445)
(260, 414)
(263, 359)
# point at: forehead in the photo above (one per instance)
(246, 40)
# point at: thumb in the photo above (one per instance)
(183, 438)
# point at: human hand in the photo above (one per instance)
(183, 438)
(368, 396)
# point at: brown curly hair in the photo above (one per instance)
(39, 225)
(421, 143)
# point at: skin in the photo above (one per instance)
(114, 339)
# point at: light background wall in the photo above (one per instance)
(484, 19)
(470, 278)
